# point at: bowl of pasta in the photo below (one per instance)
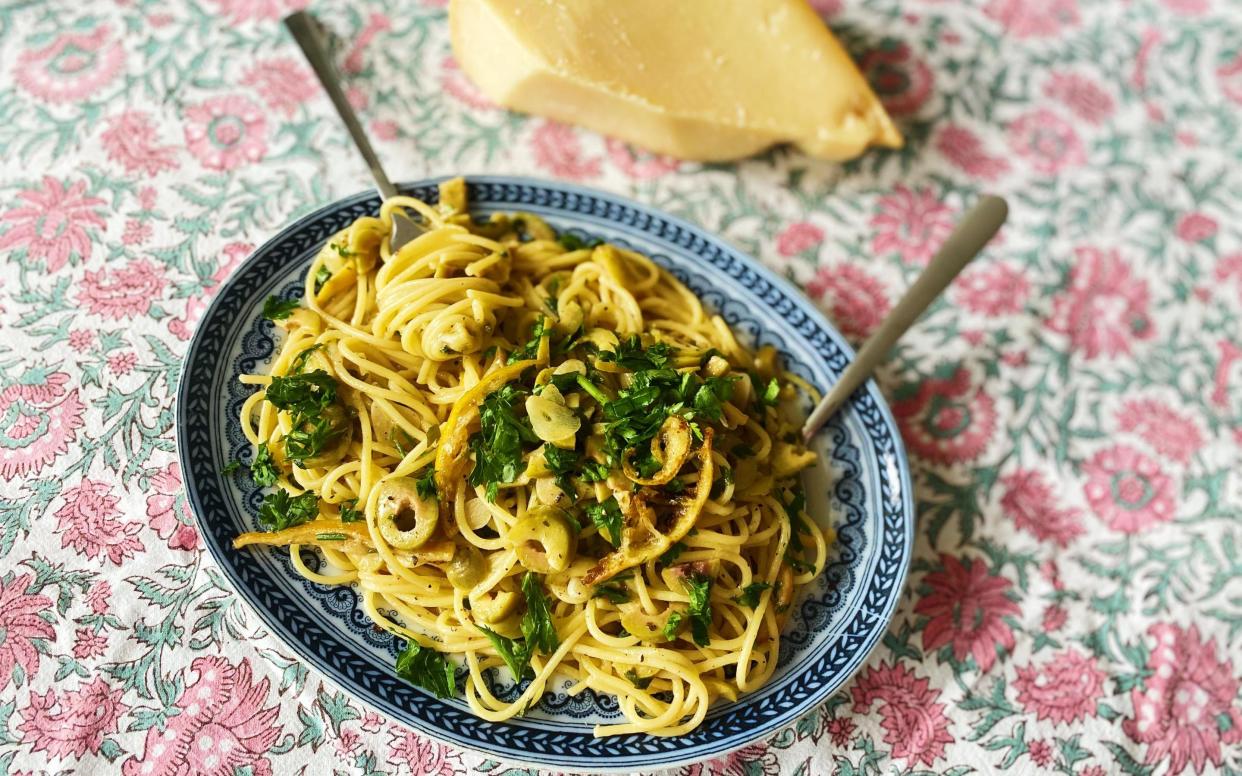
(532, 483)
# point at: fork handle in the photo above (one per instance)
(305, 30)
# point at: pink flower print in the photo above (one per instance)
(1054, 618)
(1040, 751)
(1167, 430)
(1189, 706)
(947, 421)
(901, 80)
(1196, 227)
(385, 130)
(225, 133)
(559, 152)
(1229, 353)
(284, 83)
(1047, 142)
(1138, 77)
(1229, 78)
(1104, 309)
(88, 523)
(914, 722)
(826, 8)
(81, 339)
(964, 150)
(422, 756)
(136, 232)
(21, 625)
(1065, 689)
(993, 289)
(100, 597)
(146, 197)
(856, 300)
(75, 722)
(1023, 19)
(372, 722)
(1128, 490)
(222, 725)
(131, 139)
(1084, 97)
(87, 644)
(1029, 502)
(122, 293)
(168, 511)
(183, 328)
(753, 760)
(357, 98)
(841, 731)
(239, 11)
(639, 165)
(798, 238)
(455, 83)
(376, 23)
(74, 66)
(233, 254)
(347, 742)
(1093, 770)
(122, 363)
(39, 419)
(53, 223)
(913, 224)
(966, 607)
(1187, 7)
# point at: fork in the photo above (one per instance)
(311, 37)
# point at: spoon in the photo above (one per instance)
(310, 35)
(979, 225)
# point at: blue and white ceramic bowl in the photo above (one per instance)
(862, 487)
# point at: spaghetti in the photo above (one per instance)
(537, 455)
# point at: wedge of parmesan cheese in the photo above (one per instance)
(696, 79)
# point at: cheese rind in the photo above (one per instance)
(709, 80)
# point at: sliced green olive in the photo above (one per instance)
(406, 520)
(644, 626)
(494, 605)
(467, 568)
(544, 540)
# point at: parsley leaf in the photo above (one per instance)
(673, 625)
(299, 361)
(277, 309)
(712, 394)
(512, 651)
(497, 447)
(308, 393)
(279, 510)
(631, 354)
(537, 625)
(671, 554)
(341, 250)
(614, 590)
(531, 348)
(425, 485)
(263, 470)
(230, 467)
(607, 518)
(350, 512)
(428, 669)
(771, 393)
(699, 587)
(323, 275)
(563, 464)
(750, 594)
(641, 682)
(595, 471)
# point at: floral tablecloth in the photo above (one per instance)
(1072, 409)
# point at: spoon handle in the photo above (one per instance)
(967, 240)
(308, 34)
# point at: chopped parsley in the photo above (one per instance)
(231, 467)
(263, 470)
(322, 275)
(595, 471)
(743, 451)
(277, 309)
(538, 632)
(350, 512)
(308, 393)
(531, 348)
(614, 590)
(771, 393)
(341, 250)
(279, 510)
(699, 587)
(425, 485)
(564, 464)
(641, 682)
(671, 555)
(673, 625)
(427, 668)
(497, 447)
(631, 355)
(712, 394)
(750, 594)
(299, 361)
(607, 518)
